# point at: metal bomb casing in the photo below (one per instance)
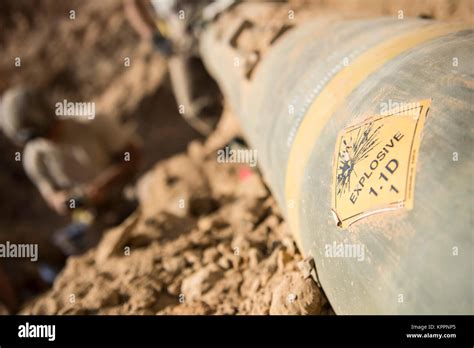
(364, 135)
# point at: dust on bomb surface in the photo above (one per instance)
(208, 238)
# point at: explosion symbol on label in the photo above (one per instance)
(375, 163)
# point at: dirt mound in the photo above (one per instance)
(208, 238)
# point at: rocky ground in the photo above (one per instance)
(207, 238)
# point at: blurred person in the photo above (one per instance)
(80, 168)
(172, 27)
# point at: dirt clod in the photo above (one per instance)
(295, 295)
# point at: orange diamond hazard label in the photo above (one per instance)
(375, 163)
